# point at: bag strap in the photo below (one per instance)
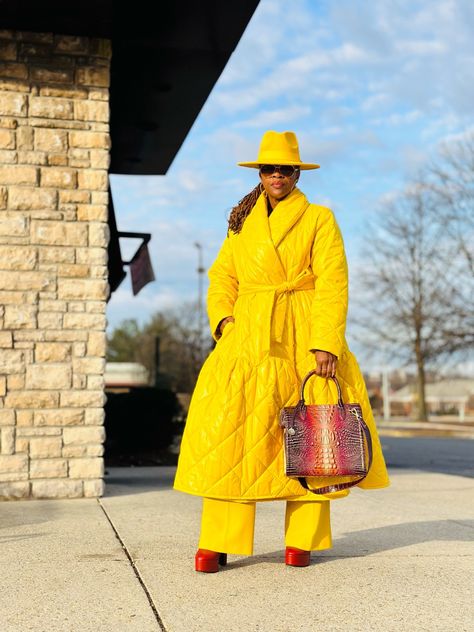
(338, 486)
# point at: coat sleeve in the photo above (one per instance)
(223, 287)
(330, 302)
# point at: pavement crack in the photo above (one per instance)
(135, 569)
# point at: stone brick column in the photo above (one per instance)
(54, 157)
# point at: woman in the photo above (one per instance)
(277, 305)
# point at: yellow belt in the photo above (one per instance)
(277, 305)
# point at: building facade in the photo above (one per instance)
(54, 159)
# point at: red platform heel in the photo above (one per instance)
(297, 557)
(209, 561)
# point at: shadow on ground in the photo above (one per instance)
(378, 540)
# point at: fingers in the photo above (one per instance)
(230, 319)
(326, 364)
(226, 321)
(324, 369)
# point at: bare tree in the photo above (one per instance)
(451, 179)
(451, 176)
(414, 284)
(182, 351)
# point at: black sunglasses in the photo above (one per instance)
(284, 170)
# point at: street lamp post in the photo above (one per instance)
(386, 394)
(200, 271)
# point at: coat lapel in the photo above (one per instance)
(256, 240)
(286, 214)
(261, 234)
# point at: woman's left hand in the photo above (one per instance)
(325, 364)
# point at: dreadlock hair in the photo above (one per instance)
(242, 209)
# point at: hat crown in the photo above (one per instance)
(279, 148)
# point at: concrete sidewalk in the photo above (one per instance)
(402, 560)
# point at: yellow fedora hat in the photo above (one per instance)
(279, 148)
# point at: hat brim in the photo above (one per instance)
(304, 166)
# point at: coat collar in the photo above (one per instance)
(285, 215)
(262, 234)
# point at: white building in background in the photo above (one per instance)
(125, 375)
(441, 397)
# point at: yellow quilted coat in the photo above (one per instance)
(284, 279)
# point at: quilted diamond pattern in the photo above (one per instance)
(232, 446)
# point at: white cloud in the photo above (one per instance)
(334, 130)
(376, 102)
(145, 301)
(399, 118)
(151, 299)
(440, 126)
(276, 31)
(318, 58)
(421, 47)
(230, 147)
(268, 118)
(192, 180)
(297, 75)
(449, 139)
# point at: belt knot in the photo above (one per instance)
(287, 286)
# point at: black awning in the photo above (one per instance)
(163, 67)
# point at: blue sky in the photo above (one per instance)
(371, 90)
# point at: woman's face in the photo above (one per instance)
(277, 185)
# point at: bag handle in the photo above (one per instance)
(338, 486)
(333, 378)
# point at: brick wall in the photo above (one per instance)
(54, 156)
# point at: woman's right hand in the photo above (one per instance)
(326, 363)
(224, 322)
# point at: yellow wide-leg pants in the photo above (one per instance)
(228, 526)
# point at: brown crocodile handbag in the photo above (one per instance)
(326, 440)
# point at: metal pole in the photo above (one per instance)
(385, 394)
(157, 360)
(200, 271)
